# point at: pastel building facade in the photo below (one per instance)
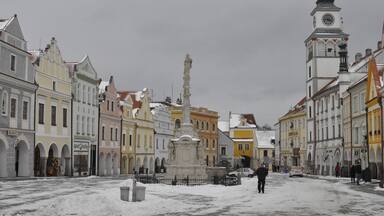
(85, 117)
(128, 137)
(164, 132)
(17, 101)
(110, 126)
(53, 113)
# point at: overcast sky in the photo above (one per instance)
(248, 55)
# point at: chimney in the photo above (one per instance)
(368, 52)
(379, 45)
(358, 57)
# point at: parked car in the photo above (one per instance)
(244, 172)
(296, 171)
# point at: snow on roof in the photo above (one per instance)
(223, 126)
(102, 86)
(5, 22)
(264, 139)
(236, 121)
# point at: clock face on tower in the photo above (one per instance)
(328, 19)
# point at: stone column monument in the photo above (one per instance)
(186, 152)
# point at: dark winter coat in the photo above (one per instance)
(352, 171)
(262, 173)
(358, 169)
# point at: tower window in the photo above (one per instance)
(310, 72)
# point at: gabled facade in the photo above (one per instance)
(142, 115)
(265, 148)
(128, 134)
(242, 131)
(85, 117)
(225, 149)
(293, 137)
(109, 129)
(17, 101)
(164, 132)
(53, 113)
(374, 118)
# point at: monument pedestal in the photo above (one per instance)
(186, 159)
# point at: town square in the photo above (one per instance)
(169, 107)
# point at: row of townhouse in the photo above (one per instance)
(244, 144)
(58, 118)
(342, 111)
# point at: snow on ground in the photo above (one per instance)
(101, 196)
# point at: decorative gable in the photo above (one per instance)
(374, 82)
(86, 68)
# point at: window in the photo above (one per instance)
(223, 151)
(116, 132)
(163, 144)
(88, 126)
(310, 72)
(145, 141)
(13, 63)
(157, 143)
(54, 86)
(177, 124)
(207, 143)
(213, 144)
(197, 124)
(93, 96)
(240, 147)
(362, 101)
(78, 124)
(111, 137)
(309, 91)
(265, 153)
(150, 142)
(112, 106)
(25, 110)
(4, 103)
(213, 127)
(83, 125)
(333, 102)
(207, 160)
(65, 117)
(103, 133)
(53, 115)
(310, 136)
(130, 140)
(123, 139)
(310, 111)
(13, 107)
(107, 105)
(84, 99)
(246, 146)
(93, 126)
(333, 131)
(89, 95)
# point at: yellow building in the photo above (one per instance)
(145, 147)
(293, 137)
(242, 131)
(205, 123)
(128, 134)
(53, 113)
(374, 118)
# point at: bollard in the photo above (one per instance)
(124, 193)
(134, 190)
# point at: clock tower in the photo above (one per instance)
(322, 57)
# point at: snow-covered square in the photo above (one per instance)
(101, 196)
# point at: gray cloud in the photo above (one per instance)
(248, 54)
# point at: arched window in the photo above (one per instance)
(4, 103)
(197, 124)
(331, 49)
(177, 123)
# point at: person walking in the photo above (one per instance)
(352, 172)
(261, 173)
(358, 172)
(337, 170)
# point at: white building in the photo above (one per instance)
(322, 65)
(225, 149)
(163, 126)
(85, 117)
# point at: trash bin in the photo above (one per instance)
(124, 193)
(140, 193)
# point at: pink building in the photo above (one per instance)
(109, 129)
